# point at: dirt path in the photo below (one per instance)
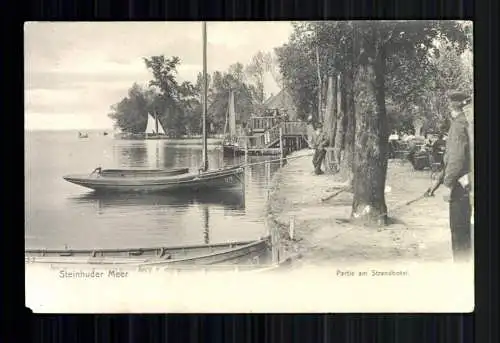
(418, 232)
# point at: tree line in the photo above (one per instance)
(178, 105)
(385, 74)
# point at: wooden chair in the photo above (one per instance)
(402, 152)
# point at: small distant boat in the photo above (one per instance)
(104, 133)
(83, 135)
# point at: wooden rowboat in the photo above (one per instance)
(203, 254)
(157, 180)
(142, 172)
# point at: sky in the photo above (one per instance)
(74, 72)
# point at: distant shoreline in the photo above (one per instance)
(212, 139)
(109, 130)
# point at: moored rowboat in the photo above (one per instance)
(203, 254)
(142, 172)
(156, 180)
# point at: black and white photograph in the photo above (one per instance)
(314, 166)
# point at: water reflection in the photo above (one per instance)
(161, 154)
(170, 157)
(132, 154)
(206, 225)
(60, 213)
(262, 172)
(230, 201)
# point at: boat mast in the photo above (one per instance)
(156, 122)
(204, 98)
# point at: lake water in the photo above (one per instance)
(59, 214)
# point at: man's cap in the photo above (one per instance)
(459, 98)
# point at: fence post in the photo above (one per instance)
(246, 151)
(291, 231)
(281, 147)
(275, 245)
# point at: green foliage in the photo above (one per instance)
(261, 64)
(299, 76)
(244, 94)
(417, 63)
(176, 101)
(164, 70)
(416, 71)
(179, 104)
(130, 114)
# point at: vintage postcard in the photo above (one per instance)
(249, 166)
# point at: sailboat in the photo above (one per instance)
(154, 129)
(230, 144)
(161, 180)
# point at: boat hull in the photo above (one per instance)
(142, 172)
(222, 253)
(219, 179)
(232, 150)
(157, 137)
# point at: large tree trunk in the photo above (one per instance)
(341, 124)
(349, 109)
(336, 103)
(320, 86)
(329, 124)
(370, 157)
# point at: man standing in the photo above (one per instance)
(320, 142)
(455, 176)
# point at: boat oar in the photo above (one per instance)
(328, 197)
(414, 200)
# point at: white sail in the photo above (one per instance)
(161, 131)
(151, 127)
(232, 115)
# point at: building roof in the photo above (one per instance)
(281, 100)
